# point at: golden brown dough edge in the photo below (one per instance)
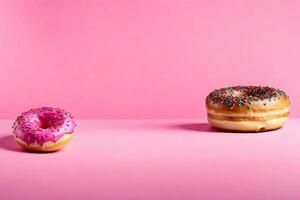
(233, 118)
(248, 126)
(48, 146)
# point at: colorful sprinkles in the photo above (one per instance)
(244, 95)
(40, 125)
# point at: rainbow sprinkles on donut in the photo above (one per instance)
(247, 108)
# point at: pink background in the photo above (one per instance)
(142, 59)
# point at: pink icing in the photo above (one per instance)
(40, 125)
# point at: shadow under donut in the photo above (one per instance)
(206, 127)
(199, 127)
(8, 143)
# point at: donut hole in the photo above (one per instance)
(257, 92)
(45, 123)
(50, 121)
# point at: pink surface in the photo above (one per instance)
(142, 59)
(179, 159)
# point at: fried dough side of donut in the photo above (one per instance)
(48, 146)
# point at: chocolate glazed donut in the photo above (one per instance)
(247, 108)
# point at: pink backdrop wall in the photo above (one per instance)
(143, 59)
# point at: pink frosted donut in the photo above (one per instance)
(44, 129)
